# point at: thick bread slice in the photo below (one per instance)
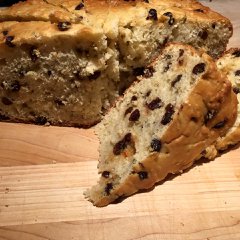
(68, 68)
(229, 64)
(162, 123)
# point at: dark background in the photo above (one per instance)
(6, 3)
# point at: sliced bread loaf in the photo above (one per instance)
(65, 62)
(162, 123)
(229, 64)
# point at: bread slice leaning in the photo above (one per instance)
(229, 64)
(162, 123)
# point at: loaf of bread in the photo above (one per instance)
(229, 64)
(65, 62)
(162, 123)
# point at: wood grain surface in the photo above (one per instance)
(44, 171)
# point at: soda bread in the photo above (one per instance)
(162, 123)
(229, 64)
(65, 62)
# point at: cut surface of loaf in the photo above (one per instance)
(229, 64)
(65, 62)
(162, 123)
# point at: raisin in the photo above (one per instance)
(9, 42)
(143, 175)
(15, 86)
(171, 21)
(79, 6)
(138, 71)
(152, 14)
(181, 52)
(236, 90)
(40, 120)
(203, 35)
(167, 117)
(146, 1)
(135, 115)
(177, 79)
(199, 68)
(108, 188)
(6, 101)
(156, 145)
(95, 75)
(5, 33)
(64, 26)
(122, 144)
(33, 54)
(199, 10)
(154, 104)
(129, 110)
(105, 174)
(148, 72)
(237, 73)
(220, 124)
(209, 116)
(236, 53)
(134, 98)
(168, 14)
(213, 25)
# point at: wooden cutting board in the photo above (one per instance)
(44, 171)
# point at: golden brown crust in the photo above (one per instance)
(185, 139)
(233, 136)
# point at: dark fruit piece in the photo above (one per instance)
(237, 73)
(199, 68)
(156, 145)
(79, 6)
(154, 104)
(236, 53)
(143, 175)
(129, 110)
(167, 117)
(122, 144)
(64, 26)
(177, 79)
(135, 115)
(9, 42)
(105, 174)
(152, 15)
(236, 90)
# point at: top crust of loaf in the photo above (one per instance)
(46, 10)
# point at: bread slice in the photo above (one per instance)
(162, 123)
(65, 62)
(229, 64)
